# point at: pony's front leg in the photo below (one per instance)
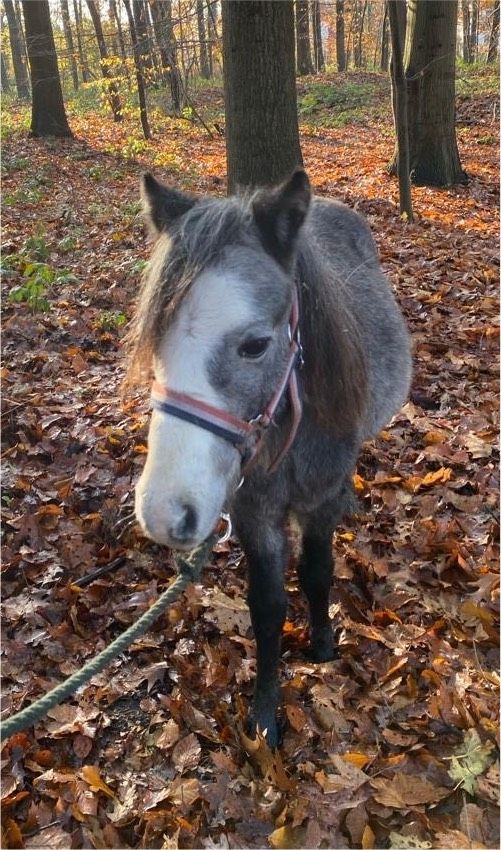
(265, 545)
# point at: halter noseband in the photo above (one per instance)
(246, 435)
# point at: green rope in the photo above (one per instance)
(189, 569)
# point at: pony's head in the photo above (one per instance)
(212, 323)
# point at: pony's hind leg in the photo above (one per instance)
(265, 545)
(315, 571)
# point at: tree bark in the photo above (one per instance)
(303, 54)
(494, 36)
(65, 14)
(15, 35)
(204, 58)
(318, 50)
(429, 60)
(103, 52)
(5, 82)
(400, 100)
(48, 116)
(340, 42)
(143, 112)
(161, 12)
(115, 17)
(84, 67)
(474, 30)
(262, 134)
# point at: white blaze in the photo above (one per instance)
(187, 465)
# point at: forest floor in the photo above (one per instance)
(395, 743)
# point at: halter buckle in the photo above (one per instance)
(229, 528)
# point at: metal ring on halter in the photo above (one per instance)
(227, 534)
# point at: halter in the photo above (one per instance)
(245, 435)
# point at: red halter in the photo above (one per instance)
(240, 432)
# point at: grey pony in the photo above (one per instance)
(356, 375)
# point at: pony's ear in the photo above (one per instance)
(279, 214)
(162, 205)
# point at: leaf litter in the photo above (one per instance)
(393, 744)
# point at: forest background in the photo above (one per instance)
(393, 745)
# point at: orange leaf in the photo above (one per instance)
(93, 778)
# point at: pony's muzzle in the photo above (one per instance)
(183, 530)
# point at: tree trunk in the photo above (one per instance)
(212, 33)
(303, 55)
(143, 112)
(399, 88)
(15, 35)
(4, 80)
(465, 9)
(359, 17)
(141, 27)
(82, 58)
(262, 134)
(340, 44)
(204, 59)
(429, 59)
(318, 50)
(494, 36)
(103, 52)
(474, 30)
(65, 14)
(385, 51)
(48, 117)
(161, 11)
(115, 17)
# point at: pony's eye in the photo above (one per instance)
(254, 348)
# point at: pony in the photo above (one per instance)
(277, 348)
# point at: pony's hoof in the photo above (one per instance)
(272, 730)
(322, 652)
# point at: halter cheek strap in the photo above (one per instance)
(245, 435)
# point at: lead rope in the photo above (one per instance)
(189, 568)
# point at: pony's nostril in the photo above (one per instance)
(185, 528)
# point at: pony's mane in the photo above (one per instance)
(334, 372)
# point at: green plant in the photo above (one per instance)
(137, 268)
(111, 320)
(67, 244)
(36, 248)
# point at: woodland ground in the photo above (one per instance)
(392, 745)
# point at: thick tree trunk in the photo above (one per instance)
(48, 116)
(303, 54)
(4, 80)
(204, 58)
(65, 14)
(399, 88)
(494, 36)
(161, 11)
(15, 35)
(262, 135)
(429, 59)
(318, 50)
(340, 43)
(82, 58)
(103, 52)
(143, 112)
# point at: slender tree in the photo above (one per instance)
(65, 14)
(139, 72)
(385, 53)
(82, 56)
(113, 97)
(204, 57)
(4, 80)
(400, 104)
(318, 50)
(494, 35)
(429, 61)
(48, 116)
(15, 35)
(141, 26)
(340, 42)
(303, 53)
(212, 32)
(161, 12)
(262, 135)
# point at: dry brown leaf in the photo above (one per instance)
(405, 791)
(186, 753)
